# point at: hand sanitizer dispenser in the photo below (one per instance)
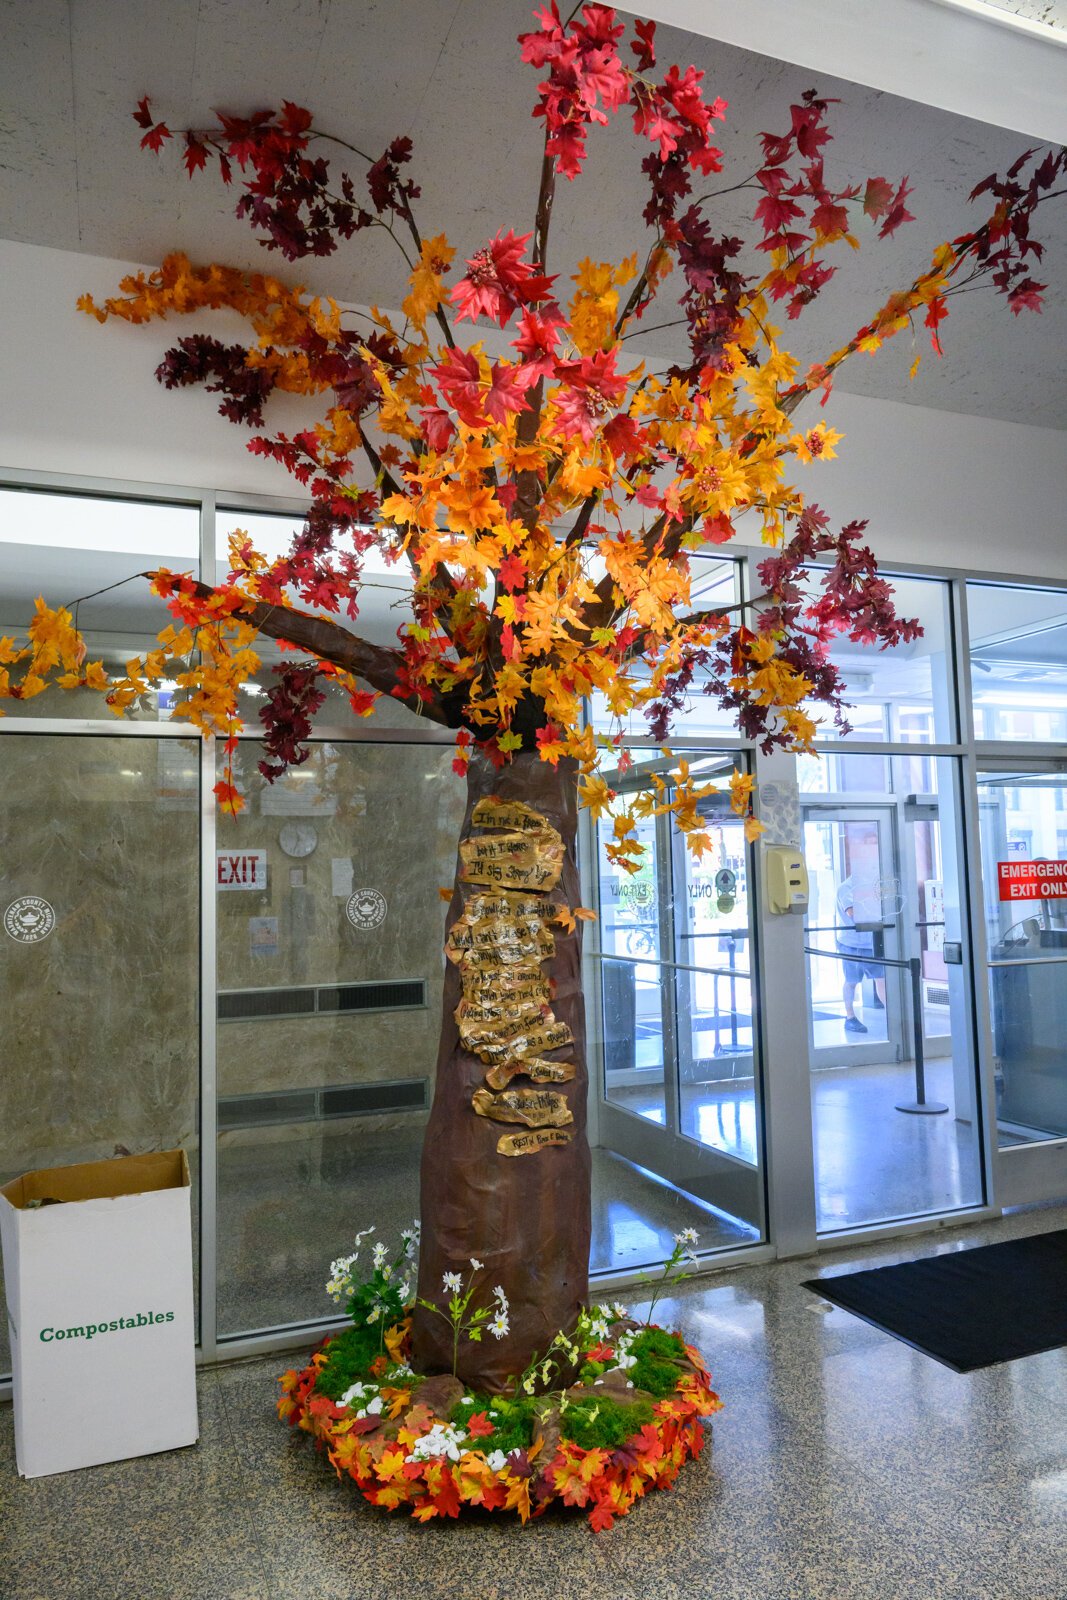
(787, 880)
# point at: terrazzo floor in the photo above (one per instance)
(846, 1466)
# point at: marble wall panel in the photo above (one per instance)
(98, 1018)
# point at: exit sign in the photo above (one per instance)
(243, 869)
(1032, 880)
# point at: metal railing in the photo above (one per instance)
(720, 1017)
(914, 967)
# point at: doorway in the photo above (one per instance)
(674, 1075)
(890, 1031)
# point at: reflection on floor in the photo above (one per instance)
(287, 1209)
(873, 1163)
(845, 1466)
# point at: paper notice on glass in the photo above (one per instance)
(341, 877)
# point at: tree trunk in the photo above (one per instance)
(526, 1217)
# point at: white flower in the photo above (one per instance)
(620, 1310)
(405, 1290)
(401, 1370)
(387, 1272)
(624, 1360)
(372, 1316)
(496, 1461)
(380, 1253)
(498, 1294)
(441, 1440)
(476, 1264)
(688, 1236)
(358, 1391)
(452, 1282)
(373, 1407)
(499, 1326)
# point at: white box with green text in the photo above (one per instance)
(98, 1276)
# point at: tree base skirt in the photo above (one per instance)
(377, 1454)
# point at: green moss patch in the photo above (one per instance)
(348, 1358)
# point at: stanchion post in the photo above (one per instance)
(920, 1105)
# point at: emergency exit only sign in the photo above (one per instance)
(1032, 880)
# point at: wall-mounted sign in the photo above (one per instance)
(245, 869)
(29, 919)
(263, 936)
(1032, 880)
(366, 909)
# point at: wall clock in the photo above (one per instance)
(298, 839)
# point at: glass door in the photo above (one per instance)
(894, 1105)
(1023, 828)
(673, 1013)
(852, 934)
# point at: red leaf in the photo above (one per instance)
(507, 392)
(643, 45)
(601, 1518)
(936, 313)
(876, 197)
(512, 571)
(142, 116)
(295, 119)
(437, 427)
(195, 157)
(479, 1426)
(156, 137)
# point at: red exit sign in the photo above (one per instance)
(1032, 880)
(243, 869)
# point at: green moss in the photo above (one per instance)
(348, 1358)
(603, 1423)
(656, 1369)
(515, 1422)
(658, 1342)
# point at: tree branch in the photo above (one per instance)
(376, 665)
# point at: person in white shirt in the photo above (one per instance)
(858, 946)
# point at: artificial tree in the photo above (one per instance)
(547, 499)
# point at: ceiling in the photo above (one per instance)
(448, 73)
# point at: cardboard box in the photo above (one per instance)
(98, 1272)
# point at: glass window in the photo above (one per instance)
(383, 609)
(903, 695)
(1018, 662)
(99, 950)
(65, 546)
(1024, 877)
(330, 970)
(714, 583)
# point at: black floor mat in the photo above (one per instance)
(969, 1308)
